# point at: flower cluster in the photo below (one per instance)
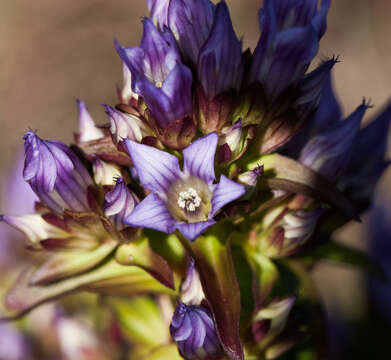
(216, 165)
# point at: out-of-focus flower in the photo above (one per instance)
(185, 200)
(119, 203)
(13, 346)
(330, 152)
(55, 174)
(87, 128)
(193, 329)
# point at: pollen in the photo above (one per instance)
(189, 200)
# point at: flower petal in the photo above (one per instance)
(156, 169)
(193, 230)
(199, 158)
(151, 213)
(225, 192)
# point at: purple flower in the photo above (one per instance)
(193, 329)
(87, 129)
(159, 76)
(191, 287)
(220, 64)
(55, 174)
(119, 203)
(330, 152)
(291, 30)
(184, 199)
(190, 21)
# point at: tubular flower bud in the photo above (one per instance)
(193, 329)
(250, 178)
(119, 203)
(220, 64)
(191, 288)
(124, 126)
(55, 174)
(87, 128)
(329, 153)
(191, 22)
(284, 231)
(105, 173)
(186, 199)
(289, 41)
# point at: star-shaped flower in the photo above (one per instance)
(186, 199)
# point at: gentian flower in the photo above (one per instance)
(184, 199)
(159, 76)
(55, 174)
(291, 30)
(119, 203)
(193, 329)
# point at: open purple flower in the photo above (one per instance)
(184, 199)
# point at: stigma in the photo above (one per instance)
(189, 200)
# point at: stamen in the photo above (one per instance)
(189, 200)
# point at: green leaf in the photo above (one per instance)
(110, 277)
(139, 253)
(140, 320)
(168, 352)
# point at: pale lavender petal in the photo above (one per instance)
(152, 213)
(157, 169)
(192, 230)
(87, 128)
(199, 158)
(225, 192)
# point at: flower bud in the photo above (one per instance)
(191, 288)
(55, 174)
(220, 64)
(330, 152)
(87, 128)
(126, 94)
(283, 231)
(250, 178)
(119, 203)
(105, 173)
(124, 126)
(190, 22)
(193, 329)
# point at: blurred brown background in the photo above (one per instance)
(55, 51)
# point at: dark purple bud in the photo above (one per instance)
(87, 128)
(193, 329)
(310, 88)
(327, 116)
(220, 65)
(330, 152)
(55, 174)
(191, 288)
(190, 21)
(119, 203)
(290, 39)
(368, 160)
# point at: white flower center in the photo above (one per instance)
(189, 200)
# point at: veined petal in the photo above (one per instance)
(159, 11)
(225, 192)
(34, 227)
(199, 158)
(87, 129)
(152, 213)
(156, 169)
(192, 230)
